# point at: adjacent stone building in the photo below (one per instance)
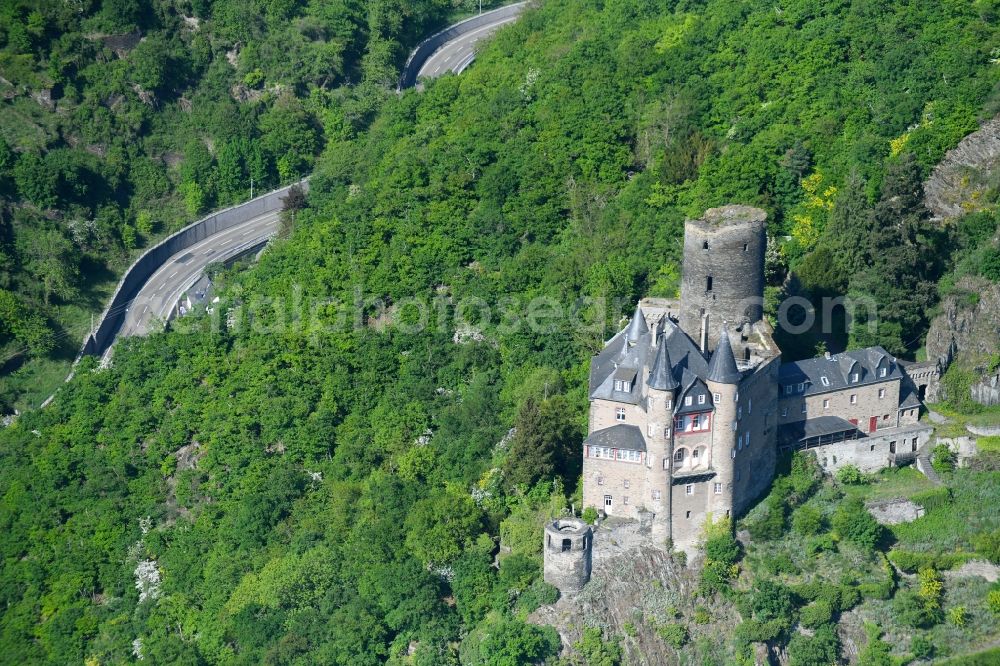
(690, 403)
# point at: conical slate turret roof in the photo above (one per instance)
(661, 376)
(637, 327)
(722, 368)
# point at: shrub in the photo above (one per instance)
(988, 444)
(931, 588)
(853, 522)
(816, 614)
(701, 615)
(934, 498)
(850, 475)
(913, 562)
(876, 651)
(911, 611)
(823, 647)
(987, 544)
(821, 543)
(808, 520)
(779, 563)
(921, 647)
(943, 459)
(674, 633)
(958, 616)
(882, 588)
(993, 601)
(589, 515)
(772, 524)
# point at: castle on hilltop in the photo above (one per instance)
(690, 403)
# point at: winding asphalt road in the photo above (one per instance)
(163, 289)
(161, 292)
(457, 54)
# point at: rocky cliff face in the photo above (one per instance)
(958, 184)
(636, 590)
(969, 324)
(971, 317)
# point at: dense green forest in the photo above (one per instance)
(123, 120)
(315, 485)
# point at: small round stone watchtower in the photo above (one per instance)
(723, 277)
(568, 560)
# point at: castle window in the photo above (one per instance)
(826, 382)
(708, 283)
(625, 500)
(620, 414)
(716, 398)
(789, 389)
(913, 446)
(704, 245)
(600, 480)
(689, 489)
(892, 447)
(784, 411)
(625, 483)
(826, 404)
(738, 475)
(802, 387)
(803, 408)
(881, 393)
(656, 495)
(607, 501)
(628, 455)
(718, 489)
(679, 455)
(695, 455)
(567, 545)
(854, 398)
(732, 453)
(687, 514)
(688, 400)
(667, 405)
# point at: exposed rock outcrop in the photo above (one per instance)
(970, 316)
(958, 184)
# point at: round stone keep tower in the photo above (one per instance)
(567, 552)
(723, 277)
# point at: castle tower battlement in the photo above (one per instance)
(567, 550)
(723, 275)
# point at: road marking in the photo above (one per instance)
(171, 275)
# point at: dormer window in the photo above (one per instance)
(855, 377)
(826, 382)
(883, 372)
(789, 389)
(688, 401)
(701, 399)
(802, 387)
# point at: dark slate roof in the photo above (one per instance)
(681, 353)
(619, 436)
(661, 376)
(693, 385)
(694, 476)
(820, 426)
(637, 327)
(722, 368)
(908, 395)
(837, 370)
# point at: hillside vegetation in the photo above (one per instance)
(125, 119)
(315, 484)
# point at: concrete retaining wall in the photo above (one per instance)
(984, 430)
(150, 261)
(426, 48)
